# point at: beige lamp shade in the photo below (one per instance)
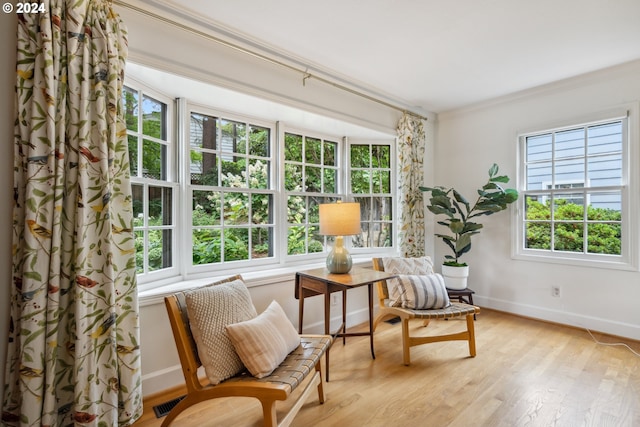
(339, 219)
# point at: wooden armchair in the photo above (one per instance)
(278, 386)
(385, 312)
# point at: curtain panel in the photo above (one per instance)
(73, 352)
(411, 148)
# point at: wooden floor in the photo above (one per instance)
(526, 373)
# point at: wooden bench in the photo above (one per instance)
(278, 386)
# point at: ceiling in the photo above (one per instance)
(435, 56)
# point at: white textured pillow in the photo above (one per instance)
(210, 310)
(423, 292)
(401, 265)
(264, 342)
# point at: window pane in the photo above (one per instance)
(160, 206)
(261, 244)
(261, 209)
(313, 183)
(312, 150)
(313, 216)
(568, 171)
(604, 238)
(259, 141)
(360, 182)
(381, 156)
(381, 209)
(296, 240)
(360, 156)
(236, 244)
(330, 150)
(233, 172)
(154, 116)
(381, 181)
(604, 170)
(204, 168)
(380, 234)
(296, 209)
(538, 235)
(160, 244)
(605, 138)
(233, 136)
(570, 143)
(330, 180)
(206, 208)
(362, 240)
(236, 208)
(539, 148)
(568, 237)
(137, 193)
(293, 177)
(206, 246)
(292, 147)
(133, 154)
(258, 174)
(139, 251)
(539, 176)
(605, 206)
(568, 206)
(316, 242)
(130, 104)
(537, 207)
(154, 157)
(202, 131)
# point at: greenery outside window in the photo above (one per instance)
(231, 188)
(370, 184)
(575, 202)
(311, 177)
(153, 181)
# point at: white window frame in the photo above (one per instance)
(170, 182)
(630, 191)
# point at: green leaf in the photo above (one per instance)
(460, 198)
(493, 170)
(456, 226)
(501, 178)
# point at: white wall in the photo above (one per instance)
(8, 23)
(470, 140)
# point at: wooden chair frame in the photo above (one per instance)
(386, 312)
(276, 387)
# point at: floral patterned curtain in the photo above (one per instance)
(411, 147)
(73, 354)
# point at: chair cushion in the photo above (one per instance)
(401, 265)
(265, 341)
(423, 292)
(210, 309)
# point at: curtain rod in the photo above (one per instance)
(305, 74)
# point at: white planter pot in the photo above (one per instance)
(455, 277)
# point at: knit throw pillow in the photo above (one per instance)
(401, 265)
(423, 292)
(210, 309)
(265, 341)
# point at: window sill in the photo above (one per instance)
(260, 277)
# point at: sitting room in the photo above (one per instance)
(389, 213)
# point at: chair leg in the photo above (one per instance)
(320, 386)
(269, 413)
(405, 342)
(472, 335)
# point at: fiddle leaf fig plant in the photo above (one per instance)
(458, 212)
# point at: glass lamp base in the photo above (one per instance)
(339, 259)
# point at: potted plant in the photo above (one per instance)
(459, 215)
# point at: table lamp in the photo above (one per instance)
(339, 219)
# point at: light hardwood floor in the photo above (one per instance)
(526, 373)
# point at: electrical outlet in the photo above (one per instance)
(555, 291)
(334, 299)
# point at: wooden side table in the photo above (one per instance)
(319, 281)
(462, 295)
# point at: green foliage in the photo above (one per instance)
(603, 237)
(492, 198)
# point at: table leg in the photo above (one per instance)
(327, 325)
(370, 288)
(300, 304)
(344, 317)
